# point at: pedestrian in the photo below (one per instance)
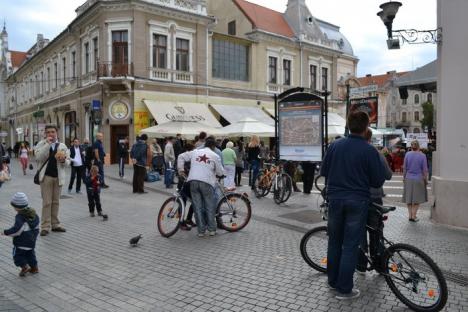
(264, 153)
(93, 190)
(205, 166)
(3, 150)
(308, 176)
(24, 233)
(140, 155)
(253, 153)
(374, 220)
(178, 145)
(240, 156)
(290, 167)
(157, 157)
(183, 169)
(89, 155)
(122, 151)
(5, 174)
(24, 157)
(169, 160)
(53, 157)
(99, 156)
(229, 161)
(414, 180)
(77, 158)
(200, 143)
(9, 151)
(351, 166)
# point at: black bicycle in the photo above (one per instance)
(409, 272)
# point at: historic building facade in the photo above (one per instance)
(122, 66)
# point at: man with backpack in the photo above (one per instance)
(140, 155)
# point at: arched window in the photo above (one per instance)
(429, 97)
(416, 99)
(403, 116)
(70, 127)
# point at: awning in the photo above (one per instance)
(235, 113)
(164, 112)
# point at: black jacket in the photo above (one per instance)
(25, 229)
(82, 153)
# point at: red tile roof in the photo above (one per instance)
(265, 19)
(379, 80)
(17, 58)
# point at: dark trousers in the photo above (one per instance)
(254, 170)
(121, 166)
(238, 176)
(346, 226)
(77, 172)
(374, 221)
(308, 176)
(139, 174)
(23, 257)
(94, 200)
(100, 165)
(185, 192)
(290, 169)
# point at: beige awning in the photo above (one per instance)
(236, 113)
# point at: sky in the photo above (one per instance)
(357, 19)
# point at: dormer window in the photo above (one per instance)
(232, 28)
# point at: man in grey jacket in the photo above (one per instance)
(53, 157)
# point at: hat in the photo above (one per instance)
(19, 200)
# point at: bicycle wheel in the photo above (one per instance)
(233, 212)
(319, 183)
(278, 190)
(314, 246)
(287, 187)
(261, 185)
(414, 278)
(169, 216)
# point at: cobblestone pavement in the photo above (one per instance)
(91, 267)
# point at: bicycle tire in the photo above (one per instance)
(287, 183)
(165, 214)
(260, 190)
(315, 241)
(391, 270)
(278, 191)
(231, 223)
(319, 183)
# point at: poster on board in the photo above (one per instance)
(370, 105)
(300, 130)
(422, 138)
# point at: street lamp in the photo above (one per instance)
(410, 36)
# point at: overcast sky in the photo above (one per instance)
(357, 19)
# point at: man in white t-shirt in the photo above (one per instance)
(205, 165)
(77, 166)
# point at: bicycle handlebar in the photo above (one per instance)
(383, 209)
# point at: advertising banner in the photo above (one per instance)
(300, 130)
(370, 105)
(140, 121)
(421, 137)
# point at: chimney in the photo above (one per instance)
(369, 75)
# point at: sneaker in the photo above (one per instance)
(212, 233)
(414, 220)
(190, 223)
(352, 295)
(34, 270)
(44, 232)
(105, 186)
(99, 213)
(79, 192)
(201, 234)
(59, 229)
(105, 217)
(92, 215)
(70, 192)
(185, 227)
(23, 271)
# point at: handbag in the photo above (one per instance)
(36, 176)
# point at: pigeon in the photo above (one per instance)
(134, 241)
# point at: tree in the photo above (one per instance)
(428, 119)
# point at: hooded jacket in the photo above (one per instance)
(25, 229)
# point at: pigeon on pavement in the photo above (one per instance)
(134, 240)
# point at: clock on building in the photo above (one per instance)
(119, 110)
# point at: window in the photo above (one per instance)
(159, 51)
(36, 90)
(182, 55)
(272, 67)
(42, 83)
(31, 88)
(64, 70)
(95, 53)
(232, 28)
(120, 47)
(230, 60)
(429, 97)
(48, 80)
(86, 60)
(55, 75)
(324, 78)
(313, 77)
(73, 63)
(393, 117)
(416, 99)
(70, 127)
(287, 72)
(403, 102)
(416, 116)
(403, 116)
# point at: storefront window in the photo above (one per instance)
(70, 127)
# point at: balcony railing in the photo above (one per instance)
(114, 70)
(89, 78)
(277, 88)
(171, 75)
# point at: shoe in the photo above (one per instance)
(331, 287)
(59, 229)
(70, 192)
(44, 232)
(105, 217)
(190, 223)
(99, 213)
(79, 192)
(352, 295)
(201, 234)
(144, 192)
(92, 215)
(34, 270)
(185, 227)
(105, 186)
(297, 190)
(23, 271)
(414, 220)
(212, 233)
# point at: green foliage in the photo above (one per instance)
(428, 113)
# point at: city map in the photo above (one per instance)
(301, 130)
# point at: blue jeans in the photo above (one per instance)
(204, 202)
(23, 257)
(346, 226)
(255, 167)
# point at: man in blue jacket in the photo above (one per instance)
(351, 166)
(24, 233)
(139, 155)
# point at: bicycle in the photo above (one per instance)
(233, 211)
(273, 178)
(411, 274)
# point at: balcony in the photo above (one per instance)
(88, 78)
(113, 70)
(165, 74)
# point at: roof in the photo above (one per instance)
(424, 77)
(265, 19)
(333, 33)
(17, 58)
(379, 80)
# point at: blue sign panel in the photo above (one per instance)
(96, 105)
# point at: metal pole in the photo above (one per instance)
(276, 128)
(347, 109)
(326, 119)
